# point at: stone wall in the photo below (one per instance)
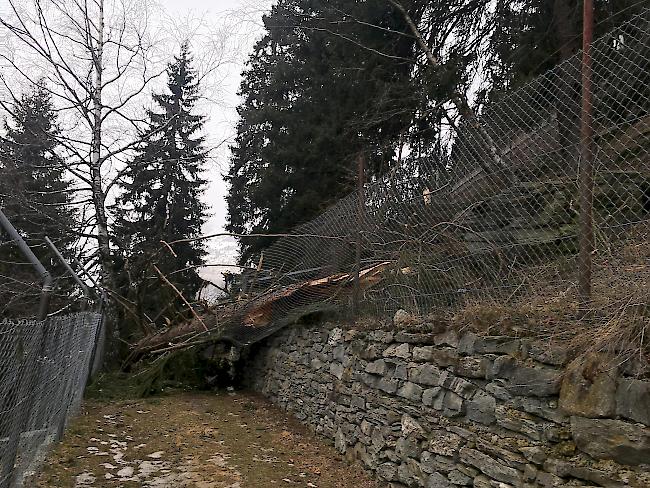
(429, 407)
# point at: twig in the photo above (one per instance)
(196, 315)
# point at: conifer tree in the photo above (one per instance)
(34, 193)
(161, 199)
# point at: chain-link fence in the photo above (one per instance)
(496, 217)
(44, 366)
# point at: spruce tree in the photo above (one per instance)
(161, 199)
(35, 196)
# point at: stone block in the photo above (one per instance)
(447, 338)
(459, 478)
(435, 463)
(409, 426)
(387, 385)
(589, 387)
(565, 469)
(411, 391)
(407, 447)
(377, 367)
(444, 443)
(553, 354)
(497, 345)
(633, 400)
(437, 480)
(481, 409)
(429, 396)
(336, 369)
(539, 382)
(398, 351)
(466, 343)
(335, 336)
(413, 338)
(410, 473)
(481, 481)
(426, 374)
(340, 442)
(472, 367)
(401, 371)
(623, 442)
(387, 471)
(453, 405)
(381, 336)
(490, 466)
(459, 386)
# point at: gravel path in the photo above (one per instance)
(234, 440)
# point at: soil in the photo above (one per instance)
(202, 440)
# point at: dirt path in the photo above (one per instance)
(234, 440)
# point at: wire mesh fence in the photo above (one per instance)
(494, 217)
(44, 366)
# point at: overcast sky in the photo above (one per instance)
(242, 20)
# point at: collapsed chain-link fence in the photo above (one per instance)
(495, 217)
(44, 366)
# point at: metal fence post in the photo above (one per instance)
(586, 177)
(356, 292)
(44, 274)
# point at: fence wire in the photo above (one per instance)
(496, 215)
(44, 367)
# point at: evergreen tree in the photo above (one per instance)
(161, 198)
(34, 194)
(328, 79)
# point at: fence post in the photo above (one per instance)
(67, 266)
(45, 275)
(361, 207)
(586, 178)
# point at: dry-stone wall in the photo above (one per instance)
(428, 407)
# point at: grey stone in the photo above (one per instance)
(339, 353)
(336, 369)
(437, 480)
(377, 367)
(501, 367)
(426, 374)
(530, 472)
(534, 454)
(403, 318)
(387, 471)
(518, 422)
(398, 351)
(563, 468)
(433, 463)
(498, 391)
(447, 338)
(444, 443)
(548, 480)
(411, 391)
(489, 466)
(407, 447)
(453, 405)
(412, 338)
(497, 345)
(466, 343)
(340, 442)
(335, 336)
(410, 473)
(534, 381)
(423, 353)
(381, 336)
(481, 409)
(541, 407)
(387, 385)
(546, 353)
(589, 387)
(430, 395)
(409, 426)
(461, 387)
(472, 367)
(358, 402)
(401, 372)
(481, 481)
(633, 400)
(317, 364)
(458, 478)
(612, 439)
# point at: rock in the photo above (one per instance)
(413, 338)
(429, 395)
(489, 466)
(633, 400)
(444, 443)
(410, 473)
(589, 387)
(518, 422)
(437, 480)
(434, 463)
(407, 447)
(534, 381)
(411, 391)
(410, 426)
(497, 345)
(387, 385)
(564, 469)
(459, 386)
(546, 353)
(501, 367)
(381, 336)
(458, 478)
(377, 367)
(481, 409)
(335, 336)
(481, 481)
(548, 480)
(441, 357)
(336, 369)
(340, 442)
(533, 454)
(612, 439)
(398, 351)
(426, 374)
(466, 343)
(542, 407)
(402, 318)
(387, 471)
(447, 338)
(472, 367)
(453, 405)
(401, 372)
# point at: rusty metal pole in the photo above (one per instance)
(586, 178)
(361, 208)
